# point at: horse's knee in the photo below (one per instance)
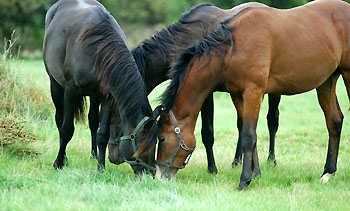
(207, 138)
(66, 133)
(102, 138)
(248, 140)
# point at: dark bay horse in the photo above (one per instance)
(258, 51)
(86, 54)
(154, 57)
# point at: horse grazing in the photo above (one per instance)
(258, 51)
(86, 54)
(154, 57)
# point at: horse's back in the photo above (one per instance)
(212, 15)
(237, 9)
(67, 58)
(298, 46)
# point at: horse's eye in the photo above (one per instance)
(162, 139)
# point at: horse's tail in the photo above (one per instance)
(79, 112)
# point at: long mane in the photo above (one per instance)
(116, 68)
(164, 41)
(212, 45)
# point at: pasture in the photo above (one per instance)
(29, 182)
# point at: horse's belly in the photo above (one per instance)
(299, 81)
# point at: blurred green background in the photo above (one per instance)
(138, 18)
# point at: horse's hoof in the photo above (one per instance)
(257, 173)
(93, 157)
(100, 168)
(272, 160)
(213, 170)
(236, 163)
(58, 164)
(325, 178)
(243, 185)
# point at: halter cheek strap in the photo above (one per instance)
(180, 144)
(132, 137)
(116, 141)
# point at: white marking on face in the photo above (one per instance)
(326, 177)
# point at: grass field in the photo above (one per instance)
(31, 183)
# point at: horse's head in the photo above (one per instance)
(137, 149)
(176, 144)
(114, 155)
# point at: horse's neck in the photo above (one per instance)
(130, 122)
(156, 71)
(195, 90)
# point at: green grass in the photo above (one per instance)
(31, 183)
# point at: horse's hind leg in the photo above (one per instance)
(334, 118)
(71, 102)
(272, 122)
(346, 77)
(207, 113)
(57, 95)
(93, 124)
(239, 108)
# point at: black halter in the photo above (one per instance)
(132, 137)
(180, 144)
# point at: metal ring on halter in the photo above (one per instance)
(177, 130)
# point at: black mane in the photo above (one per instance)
(209, 45)
(117, 70)
(164, 41)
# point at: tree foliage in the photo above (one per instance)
(28, 16)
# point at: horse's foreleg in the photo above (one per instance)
(103, 134)
(272, 122)
(72, 99)
(93, 124)
(207, 113)
(251, 107)
(327, 98)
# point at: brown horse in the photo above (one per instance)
(154, 57)
(258, 51)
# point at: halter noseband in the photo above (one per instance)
(132, 137)
(180, 144)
